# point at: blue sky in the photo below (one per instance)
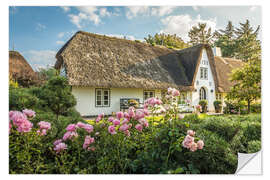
(39, 32)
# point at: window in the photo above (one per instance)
(102, 98)
(203, 73)
(183, 98)
(148, 94)
(218, 96)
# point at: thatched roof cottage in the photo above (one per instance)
(103, 71)
(20, 70)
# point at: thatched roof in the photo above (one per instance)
(99, 61)
(224, 67)
(19, 67)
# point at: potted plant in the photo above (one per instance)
(203, 104)
(218, 106)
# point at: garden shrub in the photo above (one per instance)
(255, 108)
(203, 104)
(166, 144)
(254, 146)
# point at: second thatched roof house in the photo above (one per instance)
(20, 70)
(105, 71)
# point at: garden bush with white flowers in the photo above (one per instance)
(132, 142)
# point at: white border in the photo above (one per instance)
(4, 73)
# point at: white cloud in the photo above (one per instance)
(181, 24)
(133, 11)
(42, 58)
(122, 36)
(88, 14)
(162, 10)
(61, 34)
(65, 8)
(40, 27)
(60, 42)
(252, 8)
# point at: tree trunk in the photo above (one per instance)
(248, 106)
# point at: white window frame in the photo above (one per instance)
(102, 99)
(204, 73)
(148, 94)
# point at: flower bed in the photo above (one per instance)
(132, 142)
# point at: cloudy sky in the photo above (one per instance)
(39, 32)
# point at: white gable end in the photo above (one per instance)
(204, 81)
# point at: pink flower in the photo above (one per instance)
(71, 127)
(111, 130)
(181, 116)
(124, 127)
(125, 121)
(126, 115)
(193, 147)
(116, 122)
(131, 112)
(44, 125)
(25, 126)
(87, 141)
(158, 102)
(119, 115)
(42, 133)
(98, 119)
(139, 127)
(146, 112)
(10, 126)
(200, 144)
(175, 92)
(188, 141)
(89, 128)
(60, 147)
(127, 133)
(29, 112)
(11, 114)
(17, 117)
(191, 132)
(69, 135)
(139, 114)
(110, 119)
(58, 141)
(80, 125)
(101, 115)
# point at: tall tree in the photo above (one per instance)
(248, 46)
(200, 35)
(170, 41)
(226, 40)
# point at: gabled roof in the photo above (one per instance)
(99, 61)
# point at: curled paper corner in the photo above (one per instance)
(249, 163)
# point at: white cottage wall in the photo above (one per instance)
(208, 84)
(85, 97)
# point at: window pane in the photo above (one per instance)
(99, 92)
(106, 98)
(98, 103)
(106, 103)
(106, 93)
(98, 98)
(151, 94)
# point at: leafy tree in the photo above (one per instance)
(57, 95)
(170, 41)
(200, 35)
(226, 40)
(47, 73)
(248, 83)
